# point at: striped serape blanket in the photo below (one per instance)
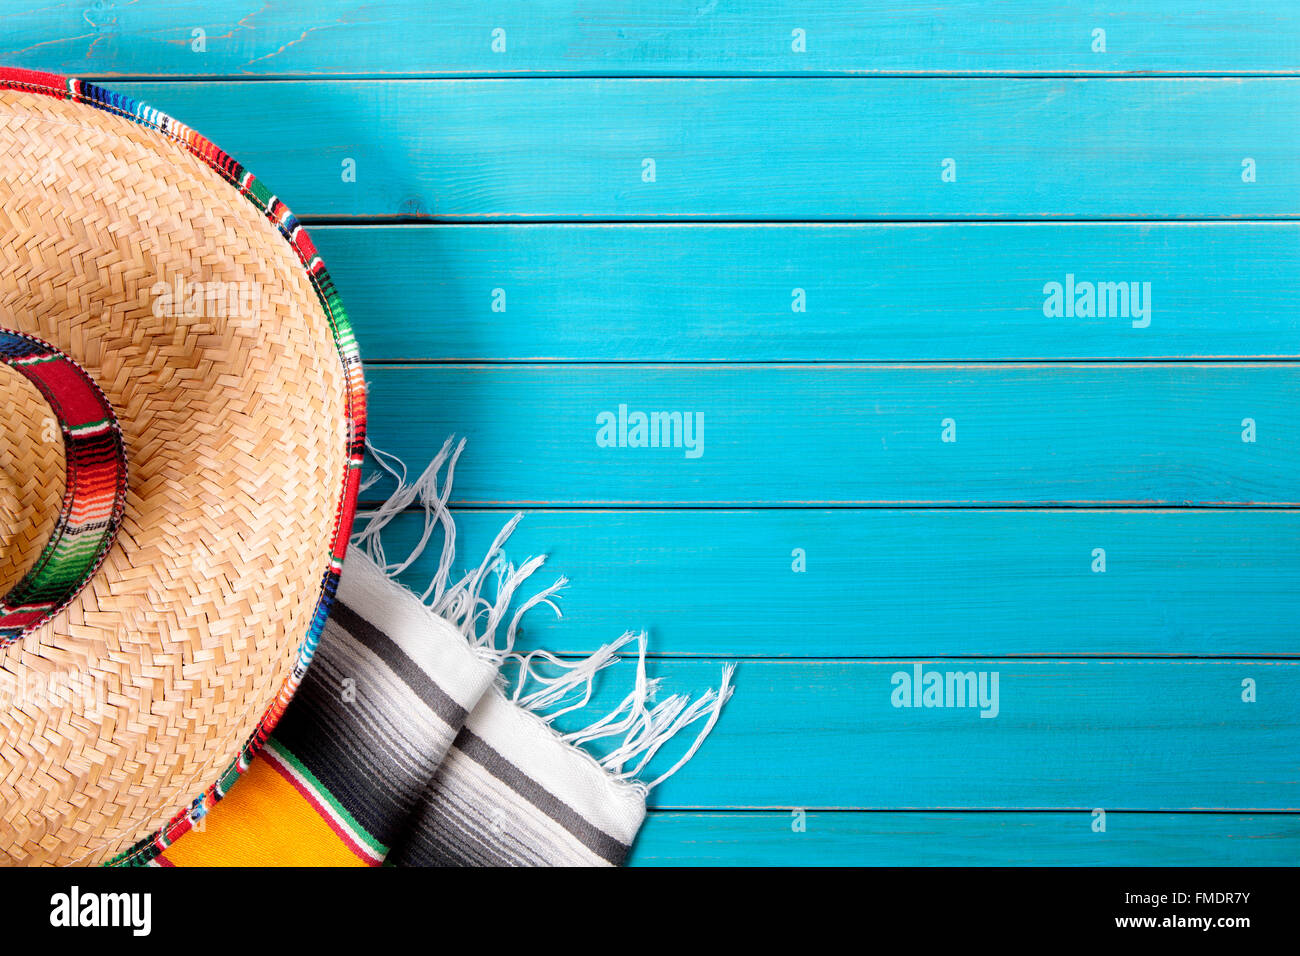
(422, 737)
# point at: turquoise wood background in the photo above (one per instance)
(829, 229)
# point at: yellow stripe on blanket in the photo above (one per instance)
(266, 819)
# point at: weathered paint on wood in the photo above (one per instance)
(966, 839)
(1112, 433)
(649, 37)
(1068, 735)
(888, 582)
(818, 731)
(829, 292)
(752, 149)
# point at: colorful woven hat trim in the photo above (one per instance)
(94, 496)
(266, 202)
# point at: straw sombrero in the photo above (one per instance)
(183, 418)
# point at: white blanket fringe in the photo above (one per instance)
(639, 725)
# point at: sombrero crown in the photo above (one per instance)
(184, 420)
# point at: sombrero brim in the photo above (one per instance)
(244, 430)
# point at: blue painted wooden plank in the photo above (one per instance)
(1112, 433)
(458, 37)
(1068, 735)
(966, 839)
(884, 582)
(842, 292)
(760, 149)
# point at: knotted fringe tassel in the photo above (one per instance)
(512, 789)
(643, 729)
(461, 603)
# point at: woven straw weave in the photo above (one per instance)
(236, 431)
(31, 475)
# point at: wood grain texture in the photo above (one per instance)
(870, 292)
(966, 839)
(885, 582)
(532, 184)
(1069, 735)
(753, 149)
(1112, 433)
(454, 37)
